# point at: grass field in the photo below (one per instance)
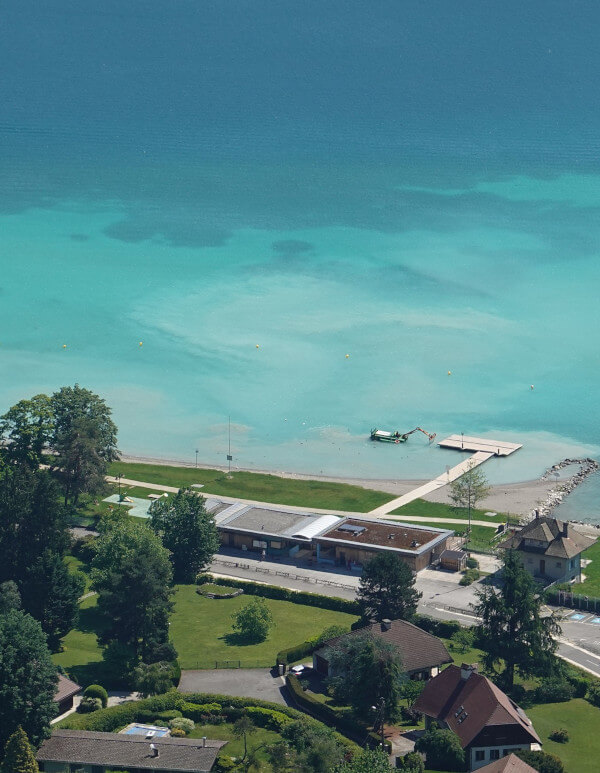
(235, 746)
(481, 536)
(81, 655)
(591, 585)
(201, 629)
(581, 719)
(424, 509)
(259, 487)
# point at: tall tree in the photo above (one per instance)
(51, 594)
(469, 489)
(10, 598)
(18, 756)
(386, 589)
(254, 620)
(84, 439)
(187, 531)
(366, 670)
(27, 428)
(132, 574)
(513, 630)
(28, 678)
(366, 761)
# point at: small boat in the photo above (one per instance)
(388, 437)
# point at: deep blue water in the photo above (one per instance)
(414, 184)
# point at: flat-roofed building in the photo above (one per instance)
(356, 540)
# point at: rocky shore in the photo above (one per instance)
(556, 495)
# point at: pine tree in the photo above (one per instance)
(18, 757)
(386, 589)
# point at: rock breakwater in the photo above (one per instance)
(556, 495)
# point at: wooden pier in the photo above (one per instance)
(467, 443)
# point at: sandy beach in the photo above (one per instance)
(515, 498)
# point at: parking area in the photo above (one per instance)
(246, 682)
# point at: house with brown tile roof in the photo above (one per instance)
(510, 764)
(551, 549)
(422, 654)
(92, 752)
(488, 723)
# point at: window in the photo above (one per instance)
(494, 754)
(479, 755)
(276, 545)
(558, 564)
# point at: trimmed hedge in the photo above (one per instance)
(96, 691)
(268, 718)
(198, 712)
(284, 594)
(324, 713)
(443, 629)
(295, 653)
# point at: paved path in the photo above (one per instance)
(427, 519)
(246, 682)
(427, 488)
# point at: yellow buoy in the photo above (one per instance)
(141, 343)
(347, 356)
(257, 346)
(64, 346)
(449, 372)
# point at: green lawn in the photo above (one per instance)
(75, 565)
(481, 536)
(423, 509)
(257, 486)
(81, 654)
(581, 719)
(235, 746)
(201, 629)
(591, 586)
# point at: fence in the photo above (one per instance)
(206, 665)
(280, 573)
(565, 598)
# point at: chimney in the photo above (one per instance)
(154, 750)
(565, 529)
(466, 670)
(203, 741)
(386, 624)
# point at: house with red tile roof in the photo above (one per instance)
(510, 764)
(488, 723)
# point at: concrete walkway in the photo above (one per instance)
(479, 457)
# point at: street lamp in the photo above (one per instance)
(380, 714)
(118, 476)
(196, 457)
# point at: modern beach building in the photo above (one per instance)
(324, 538)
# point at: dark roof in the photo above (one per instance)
(83, 747)
(510, 764)
(456, 554)
(65, 688)
(389, 535)
(560, 539)
(418, 649)
(468, 706)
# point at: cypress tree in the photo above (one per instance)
(18, 757)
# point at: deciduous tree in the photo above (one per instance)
(27, 428)
(514, 635)
(254, 620)
(469, 489)
(366, 761)
(386, 589)
(187, 531)
(442, 749)
(365, 670)
(153, 678)
(132, 573)
(28, 678)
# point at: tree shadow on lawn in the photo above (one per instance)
(236, 639)
(90, 620)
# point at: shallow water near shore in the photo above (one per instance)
(311, 261)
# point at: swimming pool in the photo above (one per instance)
(148, 731)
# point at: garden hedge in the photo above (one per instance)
(284, 594)
(324, 713)
(292, 654)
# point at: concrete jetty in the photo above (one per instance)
(484, 449)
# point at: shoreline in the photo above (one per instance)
(522, 498)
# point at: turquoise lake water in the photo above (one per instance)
(256, 190)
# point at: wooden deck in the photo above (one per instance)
(467, 443)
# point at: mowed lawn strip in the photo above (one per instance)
(581, 719)
(80, 645)
(324, 495)
(202, 632)
(424, 509)
(591, 585)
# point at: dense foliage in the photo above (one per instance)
(387, 589)
(187, 531)
(442, 749)
(253, 621)
(513, 632)
(28, 678)
(132, 574)
(18, 756)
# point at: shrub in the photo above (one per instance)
(463, 639)
(444, 629)
(469, 576)
(472, 563)
(96, 691)
(593, 694)
(177, 732)
(411, 763)
(442, 748)
(579, 685)
(224, 764)
(267, 718)
(541, 761)
(84, 548)
(554, 690)
(88, 705)
(559, 735)
(292, 654)
(254, 620)
(181, 723)
(168, 715)
(198, 711)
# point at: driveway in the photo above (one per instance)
(246, 682)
